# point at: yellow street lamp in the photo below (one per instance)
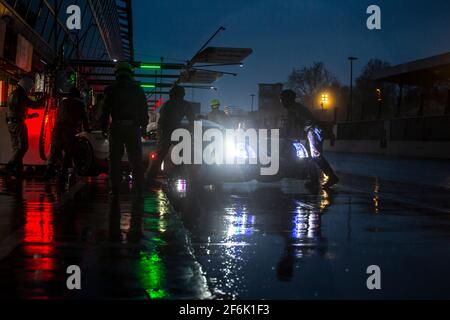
(325, 100)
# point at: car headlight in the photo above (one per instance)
(236, 150)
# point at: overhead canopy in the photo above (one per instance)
(222, 55)
(125, 16)
(420, 72)
(200, 76)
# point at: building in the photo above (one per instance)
(35, 41)
(428, 78)
(420, 123)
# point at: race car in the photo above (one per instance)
(210, 174)
(92, 153)
(294, 161)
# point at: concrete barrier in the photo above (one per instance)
(419, 149)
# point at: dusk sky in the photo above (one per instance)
(288, 33)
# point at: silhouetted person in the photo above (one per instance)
(71, 119)
(216, 115)
(300, 116)
(171, 114)
(126, 104)
(17, 113)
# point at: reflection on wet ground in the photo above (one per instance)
(132, 248)
(280, 241)
(244, 240)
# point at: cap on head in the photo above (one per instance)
(177, 92)
(26, 83)
(123, 69)
(215, 104)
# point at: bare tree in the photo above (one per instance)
(309, 82)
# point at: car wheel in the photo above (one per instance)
(84, 160)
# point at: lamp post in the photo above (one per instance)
(253, 96)
(350, 106)
(380, 101)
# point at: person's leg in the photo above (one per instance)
(55, 154)
(115, 159)
(316, 146)
(161, 152)
(24, 145)
(313, 180)
(133, 144)
(19, 139)
(55, 148)
(69, 149)
(13, 132)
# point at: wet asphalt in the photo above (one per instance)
(236, 241)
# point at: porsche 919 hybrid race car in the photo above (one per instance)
(294, 161)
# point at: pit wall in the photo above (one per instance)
(416, 149)
(426, 137)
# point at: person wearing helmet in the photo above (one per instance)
(124, 117)
(71, 119)
(171, 114)
(216, 115)
(17, 112)
(300, 116)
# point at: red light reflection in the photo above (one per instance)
(38, 240)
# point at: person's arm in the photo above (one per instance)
(189, 113)
(143, 115)
(291, 125)
(308, 115)
(84, 119)
(36, 104)
(307, 118)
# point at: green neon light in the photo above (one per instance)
(148, 86)
(150, 66)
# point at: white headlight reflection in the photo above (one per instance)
(181, 185)
(234, 249)
(239, 222)
(180, 188)
(237, 150)
(306, 222)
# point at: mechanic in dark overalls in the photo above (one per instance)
(17, 113)
(216, 115)
(171, 114)
(126, 104)
(299, 115)
(71, 119)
